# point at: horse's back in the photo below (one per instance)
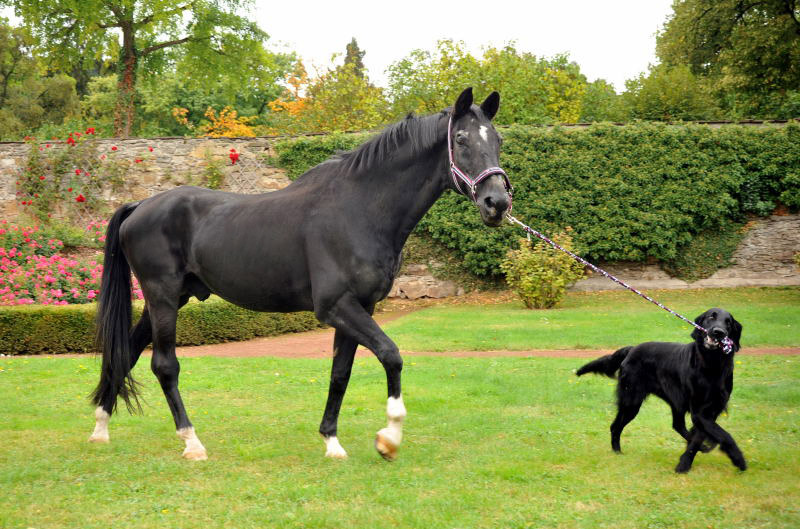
(244, 248)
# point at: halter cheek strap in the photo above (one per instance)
(460, 177)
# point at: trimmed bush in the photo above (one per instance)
(634, 193)
(40, 329)
(539, 273)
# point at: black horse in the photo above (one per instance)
(329, 242)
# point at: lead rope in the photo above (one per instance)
(727, 343)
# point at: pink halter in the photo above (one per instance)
(460, 176)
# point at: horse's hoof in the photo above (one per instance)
(386, 448)
(334, 454)
(195, 455)
(98, 439)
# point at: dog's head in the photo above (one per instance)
(720, 324)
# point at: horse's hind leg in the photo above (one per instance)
(140, 337)
(350, 317)
(344, 350)
(165, 365)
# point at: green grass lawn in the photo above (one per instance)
(490, 442)
(591, 320)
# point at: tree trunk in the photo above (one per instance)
(125, 111)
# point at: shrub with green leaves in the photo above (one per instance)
(539, 273)
(634, 193)
(49, 329)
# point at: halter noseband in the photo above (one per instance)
(460, 176)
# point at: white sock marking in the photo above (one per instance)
(396, 413)
(100, 434)
(194, 448)
(334, 449)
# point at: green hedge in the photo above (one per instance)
(635, 193)
(40, 329)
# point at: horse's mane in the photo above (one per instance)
(420, 133)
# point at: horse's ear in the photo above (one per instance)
(490, 105)
(463, 103)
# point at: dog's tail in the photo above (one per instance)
(606, 365)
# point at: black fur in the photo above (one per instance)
(329, 242)
(114, 322)
(694, 378)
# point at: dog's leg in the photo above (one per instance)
(707, 446)
(719, 435)
(626, 413)
(679, 423)
(687, 458)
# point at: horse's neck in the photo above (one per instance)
(398, 195)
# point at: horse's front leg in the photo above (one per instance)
(344, 350)
(348, 316)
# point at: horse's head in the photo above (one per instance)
(474, 147)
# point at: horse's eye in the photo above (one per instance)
(460, 139)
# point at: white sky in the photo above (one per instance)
(612, 39)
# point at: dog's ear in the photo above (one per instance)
(697, 334)
(736, 334)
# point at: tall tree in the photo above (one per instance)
(750, 47)
(16, 61)
(355, 56)
(131, 32)
(534, 89)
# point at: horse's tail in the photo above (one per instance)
(606, 365)
(114, 321)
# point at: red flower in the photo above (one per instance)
(90, 130)
(138, 160)
(77, 171)
(151, 149)
(41, 177)
(80, 198)
(113, 147)
(102, 156)
(69, 190)
(47, 145)
(70, 141)
(234, 156)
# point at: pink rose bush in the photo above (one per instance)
(33, 268)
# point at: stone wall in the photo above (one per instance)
(765, 257)
(172, 162)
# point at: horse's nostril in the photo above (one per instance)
(501, 204)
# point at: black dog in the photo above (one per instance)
(696, 378)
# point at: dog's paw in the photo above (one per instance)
(684, 465)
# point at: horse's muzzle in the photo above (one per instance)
(493, 209)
